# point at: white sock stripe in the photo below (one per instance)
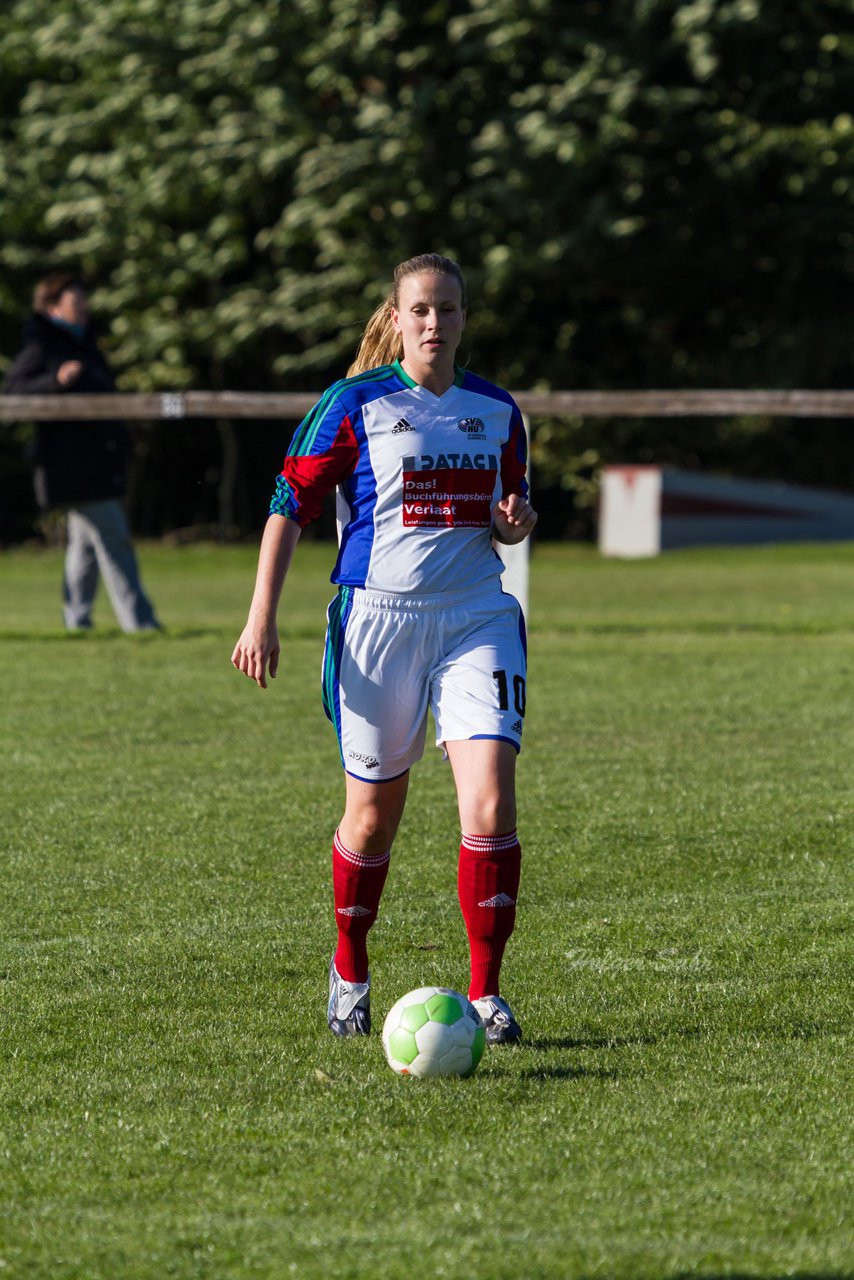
(360, 859)
(490, 844)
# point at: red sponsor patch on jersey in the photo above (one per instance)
(448, 498)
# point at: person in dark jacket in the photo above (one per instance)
(80, 466)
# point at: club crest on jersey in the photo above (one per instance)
(471, 426)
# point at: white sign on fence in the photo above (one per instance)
(630, 512)
(644, 510)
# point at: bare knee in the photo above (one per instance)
(487, 813)
(372, 814)
(369, 830)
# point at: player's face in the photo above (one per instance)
(430, 319)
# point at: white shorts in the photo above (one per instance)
(389, 658)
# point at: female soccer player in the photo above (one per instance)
(429, 463)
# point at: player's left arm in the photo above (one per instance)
(513, 517)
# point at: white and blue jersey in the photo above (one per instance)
(417, 477)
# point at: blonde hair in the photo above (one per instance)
(380, 342)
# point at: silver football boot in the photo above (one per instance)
(498, 1021)
(349, 1011)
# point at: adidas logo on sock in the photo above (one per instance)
(354, 911)
(500, 900)
(402, 425)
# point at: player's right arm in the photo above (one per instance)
(322, 452)
(258, 647)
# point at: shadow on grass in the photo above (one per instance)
(569, 1073)
(576, 1043)
(564, 1071)
(573, 1042)
(612, 1042)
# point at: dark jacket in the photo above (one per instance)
(74, 461)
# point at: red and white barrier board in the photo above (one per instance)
(645, 510)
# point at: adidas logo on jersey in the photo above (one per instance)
(500, 900)
(402, 425)
(354, 911)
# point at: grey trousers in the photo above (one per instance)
(99, 545)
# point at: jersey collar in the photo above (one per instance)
(459, 377)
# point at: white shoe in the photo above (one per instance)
(349, 1011)
(498, 1021)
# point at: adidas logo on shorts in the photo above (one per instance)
(402, 425)
(517, 727)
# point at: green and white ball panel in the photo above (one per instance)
(433, 1031)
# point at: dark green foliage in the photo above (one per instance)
(644, 193)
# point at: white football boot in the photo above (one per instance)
(498, 1021)
(349, 1011)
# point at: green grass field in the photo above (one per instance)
(172, 1102)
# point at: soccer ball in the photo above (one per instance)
(433, 1031)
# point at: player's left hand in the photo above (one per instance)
(513, 519)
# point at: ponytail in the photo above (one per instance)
(381, 343)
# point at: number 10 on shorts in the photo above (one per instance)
(500, 678)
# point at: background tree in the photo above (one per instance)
(643, 193)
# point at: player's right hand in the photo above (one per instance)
(258, 648)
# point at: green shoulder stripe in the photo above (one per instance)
(306, 433)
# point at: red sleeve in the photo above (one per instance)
(306, 479)
(514, 458)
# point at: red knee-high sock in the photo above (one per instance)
(357, 882)
(488, 883)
